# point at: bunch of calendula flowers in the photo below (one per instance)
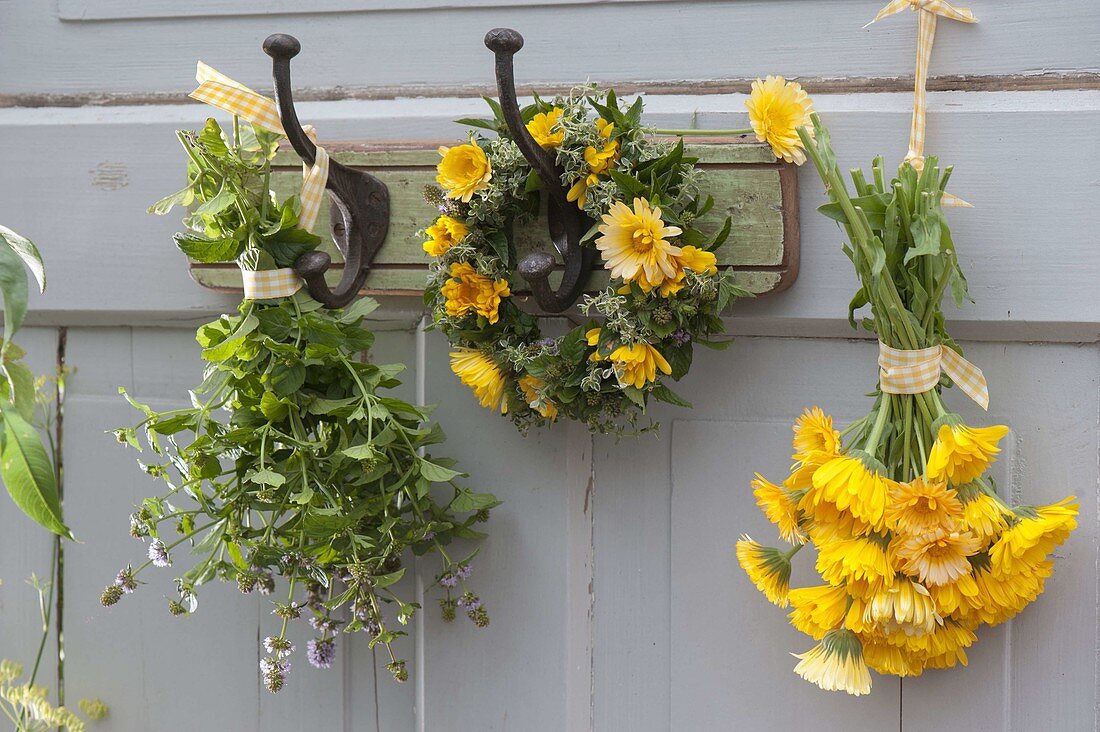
(914, 544)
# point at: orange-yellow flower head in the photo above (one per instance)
(463, 171)
(961, 454)
(546, 128)
(817, 610)
(482, 375)
(637, 365)
(444, 234)
(813, 432)
(635, 243)
(906, 607)
(935, 557)
(836, 664)
(467, 291)
(532, 388)
(862, 560)
(600, 161)
(1033, 537)
(767, 567)
(777, 108)
(921, 505)
(846, 482)
(780, 508)
(984, 515)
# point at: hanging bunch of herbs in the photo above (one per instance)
(292, 461)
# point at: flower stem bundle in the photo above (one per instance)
(292, 460)
(915, 546)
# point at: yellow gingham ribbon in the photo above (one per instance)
(268, 284)
(915, 372)
(218, 90)
(929, 11)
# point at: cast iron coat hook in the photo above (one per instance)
(567, 223)
(360, 203)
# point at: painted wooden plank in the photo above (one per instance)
(26, 549)
(730, 656)
(399, 52)
(747, 185)
(148, 666)
(91, 10)
(510, 675)
(111, 263)
(1034, 672)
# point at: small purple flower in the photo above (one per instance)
(429, 535)
(469, 602)
(125, 580)
(549, 344)
(681, 337)
(321, 652)
(278, 647)
(274, 672)
(464, 571)
(449, 580)
(158, 553)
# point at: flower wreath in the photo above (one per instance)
(665, 295)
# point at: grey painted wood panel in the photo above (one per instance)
(702, 41)
(1031, 257)
(667, 606)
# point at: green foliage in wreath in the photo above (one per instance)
(665, 293)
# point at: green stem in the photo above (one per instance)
(871, 446)
(793, 550)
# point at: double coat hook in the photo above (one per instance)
(567, 223)
(360, 203)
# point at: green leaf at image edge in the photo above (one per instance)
(28, 473)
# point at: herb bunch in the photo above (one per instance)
(291, 461)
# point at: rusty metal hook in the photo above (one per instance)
(359, 203)
(567, 223)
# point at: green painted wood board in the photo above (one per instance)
(748, 184)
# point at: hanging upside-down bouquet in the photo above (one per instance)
(914, 544)
(293, 459)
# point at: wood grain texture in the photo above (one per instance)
(111, 263)
(759, 195)
(705, 41)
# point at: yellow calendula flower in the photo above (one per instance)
(444, 234)
(599, 160)
(906, 607)
(767, 567)
(546, 128)
(698, 260)
(1034, 536)
(920, 505)
(482, 375)
(935, 557)
(531, 386)
(1002, 595)
(836, 664)
(690, 258)
(961, 454)
(984, 515)
(960, 596)
(467, 291)
(637, 365)
(813, 432)
(887, 659)
(850, 560)
(847, 483)
(817, 610)
(634, 243)
(780, 508)
(825, 523)
(777, 108)
(463, 171)
(944, 647)
(802, 472)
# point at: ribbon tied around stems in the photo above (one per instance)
(218, 90)
(928, 12)
(915, 372)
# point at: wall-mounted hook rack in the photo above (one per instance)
(566, 222)
(360, 203)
